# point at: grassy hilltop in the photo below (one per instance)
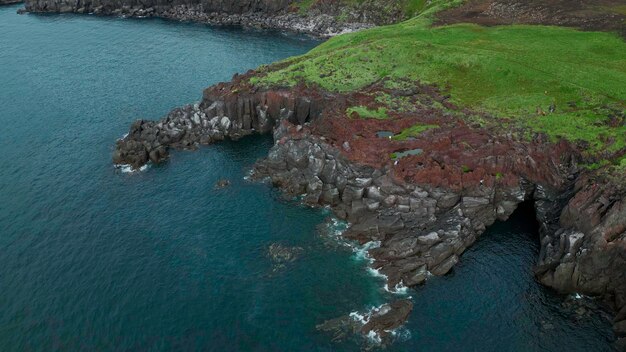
(560, 81)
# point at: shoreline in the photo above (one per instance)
(320, 26)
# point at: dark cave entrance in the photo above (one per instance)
(524, 218)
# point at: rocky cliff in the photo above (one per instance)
(321, 18)
(417, 221)
(583, 243)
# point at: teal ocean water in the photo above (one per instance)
(94, 259)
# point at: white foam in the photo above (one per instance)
(123, 137)
(356, 316)
(361, 252)
(334, 230)
(249, 174)
(401, 289)
(377, 273)
(398, 289)
(374, 337)
(127, 169)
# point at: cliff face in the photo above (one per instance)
(417, 222)
(583, 243)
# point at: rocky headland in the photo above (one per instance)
(421, 219)
(420, 170)
(10, 2)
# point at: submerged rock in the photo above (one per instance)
(282, 255)
(341, 327)
(223, 183)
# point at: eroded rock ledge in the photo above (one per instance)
(423, 210)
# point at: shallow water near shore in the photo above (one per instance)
(92, 258)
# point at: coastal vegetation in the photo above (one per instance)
(560, 81)
(413, 131)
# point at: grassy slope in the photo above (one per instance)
(560, 81)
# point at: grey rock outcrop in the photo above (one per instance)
(583, 245)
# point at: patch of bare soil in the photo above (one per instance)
(595, 15)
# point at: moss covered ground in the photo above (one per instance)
(563, 82)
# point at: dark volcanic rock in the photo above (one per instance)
(9, 2)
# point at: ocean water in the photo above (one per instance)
(92, 258)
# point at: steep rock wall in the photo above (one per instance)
(583, 244)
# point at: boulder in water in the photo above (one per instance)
(223, 183)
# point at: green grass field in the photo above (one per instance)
(564, 82)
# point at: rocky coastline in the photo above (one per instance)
(10, 2)
(417, 224)
(323, 22)
(417, 204)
